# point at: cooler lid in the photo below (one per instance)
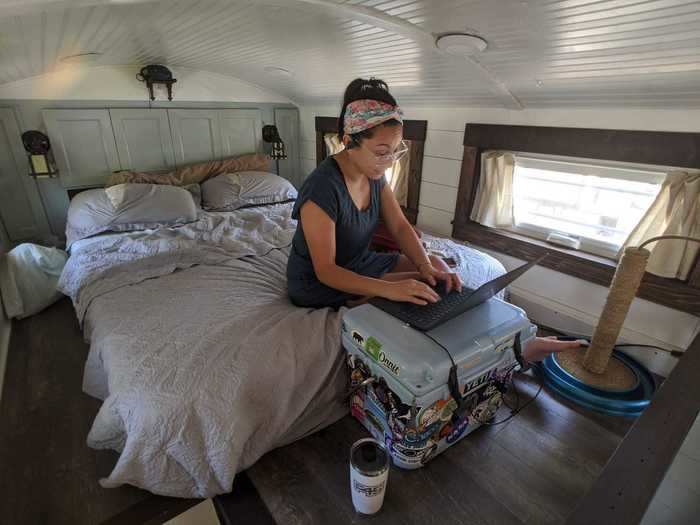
(476, 340)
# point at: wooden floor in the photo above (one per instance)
(532, 469)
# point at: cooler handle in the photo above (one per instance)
(453, 381)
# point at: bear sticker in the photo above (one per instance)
(357, 337)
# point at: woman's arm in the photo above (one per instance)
(319, 232)
(401, 229)
(410, 244)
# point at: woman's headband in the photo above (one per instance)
(366, 113)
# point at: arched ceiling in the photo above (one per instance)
(541, 52)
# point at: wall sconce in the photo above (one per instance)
(271, 135)
(156, 74)
(38, 150)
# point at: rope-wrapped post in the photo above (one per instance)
(623, 289)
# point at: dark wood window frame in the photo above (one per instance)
(413, 130)
(641, 147)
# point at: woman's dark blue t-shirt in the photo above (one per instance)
(353, 232)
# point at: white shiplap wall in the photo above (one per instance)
(570, 304)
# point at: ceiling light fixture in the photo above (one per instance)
(460, 44)
(81, 58)
(278, 72)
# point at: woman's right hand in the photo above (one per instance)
(409, 291)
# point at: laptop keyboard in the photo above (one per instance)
(430, 315)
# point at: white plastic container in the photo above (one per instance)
(369, 474)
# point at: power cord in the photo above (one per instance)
(674, 353)
(518, 409)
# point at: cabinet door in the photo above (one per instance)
(287, 122)
(20, 205)
(143, 139)
(241, 131)
(83, 144)
(196, 135)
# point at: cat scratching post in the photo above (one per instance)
(623, 289)
(595, 367)
(602, 378)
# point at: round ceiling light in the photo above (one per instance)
(278, 72)
(461, 44)
(81, 58)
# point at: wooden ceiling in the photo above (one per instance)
(541, 52)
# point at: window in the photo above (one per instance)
(588, 205)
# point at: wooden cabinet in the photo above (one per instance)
(143, 139)
(83, 145)
(20, 205)
(287, 122)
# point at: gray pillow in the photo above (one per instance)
(231, 191)
(128, 207)
(196, 191)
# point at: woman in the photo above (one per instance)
(339, 206)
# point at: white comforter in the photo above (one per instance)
(201, 360)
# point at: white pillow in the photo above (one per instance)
(128, 207)
(231, 191)
(28, 278)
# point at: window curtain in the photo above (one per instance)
(675, 211)
(398, 177)
(333, 144)
(493, 205)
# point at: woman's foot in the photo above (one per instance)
(540, 347)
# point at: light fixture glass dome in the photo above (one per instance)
(461, 44)
(81, 58)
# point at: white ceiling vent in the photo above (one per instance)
(461, 44)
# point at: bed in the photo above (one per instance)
(201, 361)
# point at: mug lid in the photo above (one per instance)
(369, 457)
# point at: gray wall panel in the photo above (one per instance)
(196, 135)
(52, 192)
(241, 131)
(287, 122)
(143, 138)
(20, 207)
(83, 144)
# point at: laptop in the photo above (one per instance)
(452, 304)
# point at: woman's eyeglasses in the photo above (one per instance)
(390, 158)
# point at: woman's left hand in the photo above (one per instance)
(432, 275)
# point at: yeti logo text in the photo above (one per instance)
(357, 337)
(383, 359)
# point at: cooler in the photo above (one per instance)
(401, 377)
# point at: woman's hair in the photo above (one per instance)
(359, 89)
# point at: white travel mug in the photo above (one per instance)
(369, 473)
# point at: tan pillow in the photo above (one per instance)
(193, 174)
